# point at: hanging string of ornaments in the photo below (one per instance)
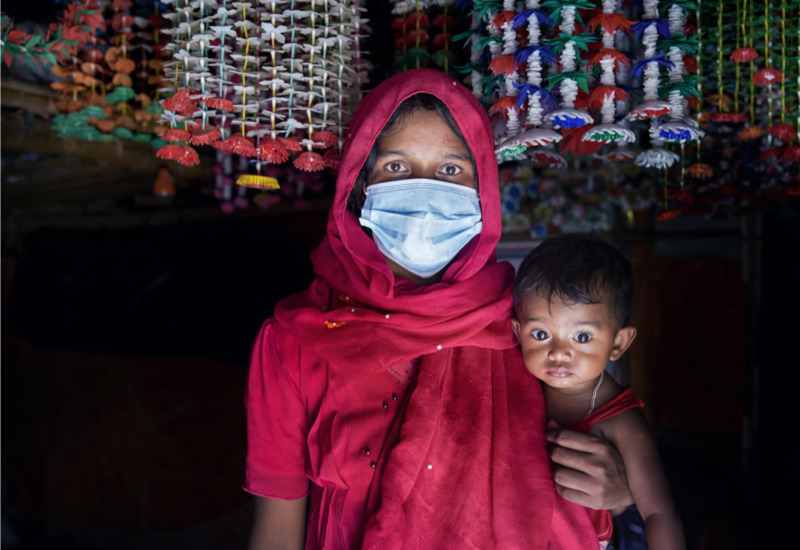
(581, 102)
(582, 80)
(424, 31)
(108, 71)
(271, 81)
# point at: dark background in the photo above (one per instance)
(127, 323)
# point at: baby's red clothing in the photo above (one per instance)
(601, 519)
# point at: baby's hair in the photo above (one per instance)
(417, 102)
(577, 269)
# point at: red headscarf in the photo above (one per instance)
(470, 469)
(470, 306)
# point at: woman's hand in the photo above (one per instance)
(588, 470)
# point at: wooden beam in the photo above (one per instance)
(28, 96)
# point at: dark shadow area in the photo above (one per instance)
(124, 367)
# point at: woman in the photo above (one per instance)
(387, 404)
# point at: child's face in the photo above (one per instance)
(567, 346)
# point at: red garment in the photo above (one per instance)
(601, 519)
(468, 465)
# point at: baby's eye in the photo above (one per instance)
(451, 170)
(583, 337)
(539, 334)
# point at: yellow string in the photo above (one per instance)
(783, 62)
(416, 57)
(766, 55)
(752, 70)
(311, 71)
(744, 43)
(405, 47)
(736, 88)
(699, 21)
(244, 70)
(719, 57)
(446, 43)
(766, 31)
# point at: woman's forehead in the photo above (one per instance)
(422, 125)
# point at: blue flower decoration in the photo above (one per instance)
(539, 230)
(566, 121)
(636, 70)
(514, 191)
(522, 18)
(546, 54)
(464, 5)
(671, 135)
(548, 100)
(510, 206)
(662, 26)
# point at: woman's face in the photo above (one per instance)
(422, 146)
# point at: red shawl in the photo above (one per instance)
(470, 468)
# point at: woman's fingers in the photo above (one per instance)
(588, 470)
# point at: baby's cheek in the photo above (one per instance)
(530, 357)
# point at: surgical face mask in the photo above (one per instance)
(421, 224)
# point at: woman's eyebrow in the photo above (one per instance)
(399, 153)
(392, 152)
(458, 156)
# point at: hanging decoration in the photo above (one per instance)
(608, 95)
(34, 48)
(649, 68)
(424, 31)
(270, 81)
(696, 75)
(570, 86)
(107, 82)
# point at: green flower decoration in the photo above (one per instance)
(687, 44)
(122, 132)
(486, 40)
(153, 108)
(484, 7)
(121, 94)
(90, 111)
(557, 5)
(582, 79)
(444, 55)
(687, 5)
(490, 82)
(687, 87)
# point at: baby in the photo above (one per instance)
(573, 298)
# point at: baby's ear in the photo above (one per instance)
(515, 327)
(622, 341)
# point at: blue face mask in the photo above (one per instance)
(421, 224)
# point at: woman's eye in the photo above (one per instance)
(583, 337)
(451, 170)
(540, 335)
(394, 167)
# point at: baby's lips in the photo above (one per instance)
(552, 424)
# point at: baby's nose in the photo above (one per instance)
(559, 353)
